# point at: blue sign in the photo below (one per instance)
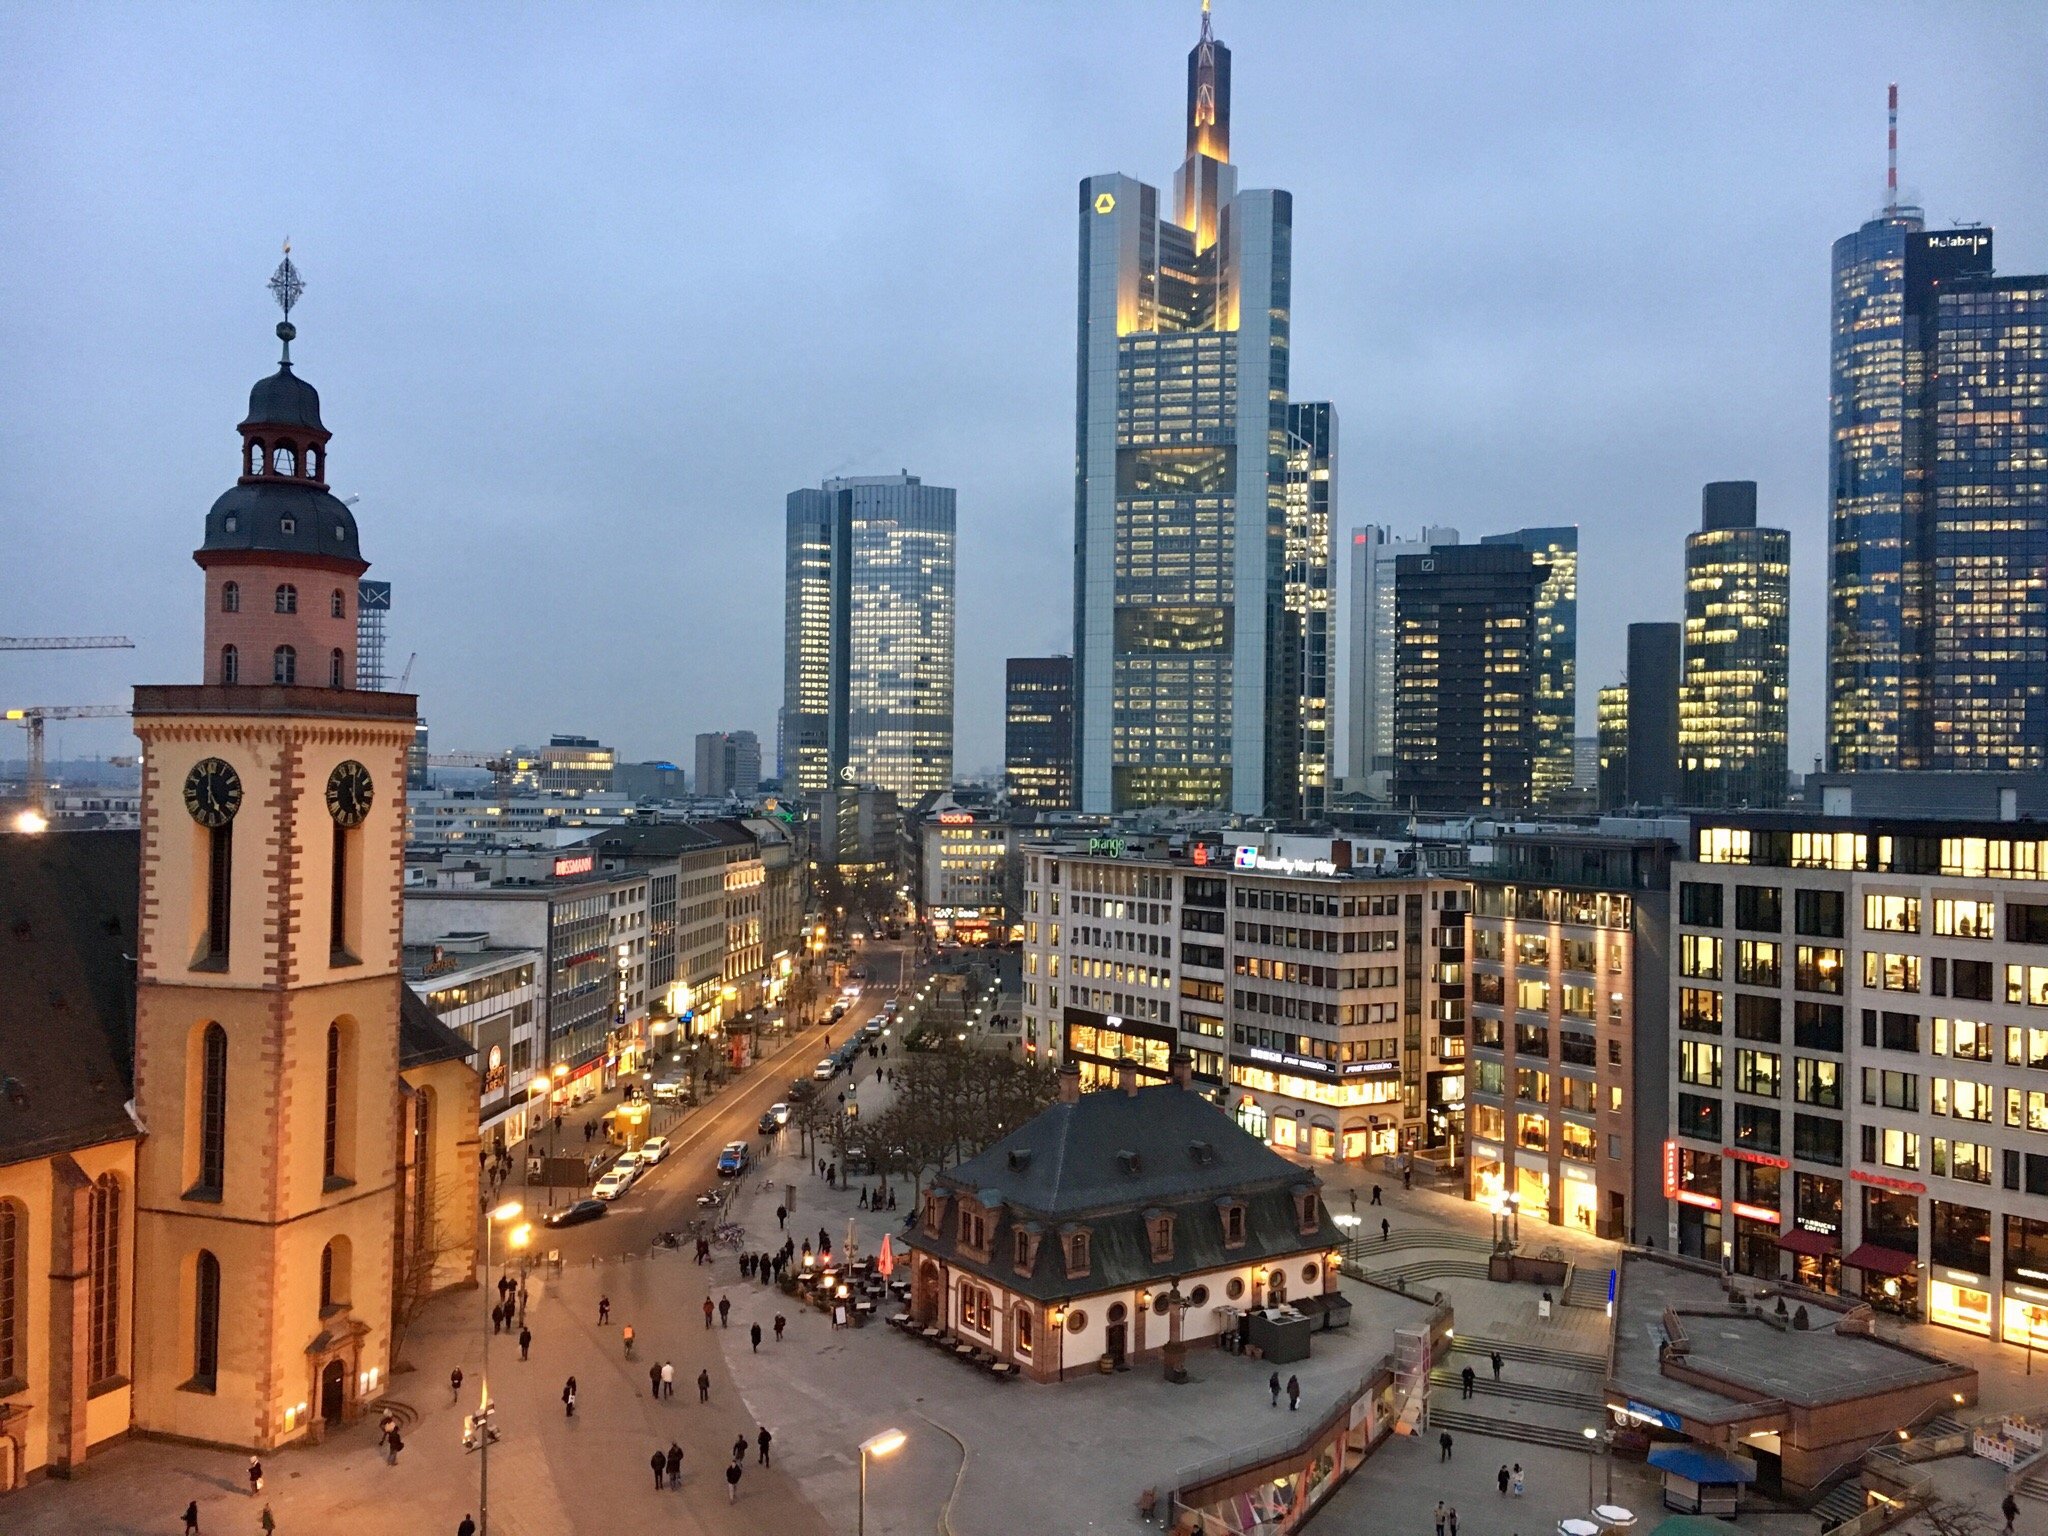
(1655, 1416)
(1613, 1279)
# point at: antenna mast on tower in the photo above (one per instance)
(1891, 160)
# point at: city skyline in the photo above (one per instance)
(556, 467)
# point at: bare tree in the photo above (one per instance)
(810, 1112)
(423, 1265)
(1954, 1517)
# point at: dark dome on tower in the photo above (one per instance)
(284, 400)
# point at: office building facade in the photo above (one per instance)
(728, 763)
(1612, 719)
(1554, 657)
(1370, 646)
(1938, 575)
(1311, 515)
(1183, 653)
(1038, 732)
(1859, 1089)
(868, 636)
(1732, 705)
(1655, 674)
(1465, 678)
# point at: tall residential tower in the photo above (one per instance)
(1186, 655)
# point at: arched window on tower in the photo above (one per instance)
(255, 459)
(13, 1291)
(231, 597)
(338, 1128)
(230, 664)
(337, 605)
(103, 1325)
(335, 664)
(287, 598)
(283, 460)
(334, 1275)
(213, 1112)
(284, 665)
(314, 459)
(205, 1322)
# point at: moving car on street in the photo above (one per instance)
(733, 1160)
(574, 1215)
(653, 1150)
(614, 1184)
(780, 1112)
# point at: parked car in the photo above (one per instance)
(826, 1070)
(872, 1028)
(653, 1150)
(767, 1125)
(780, 1112)
(733, 1160)
(667, 1091)
(632, 1164)
(574, 1215)
(614, 1184)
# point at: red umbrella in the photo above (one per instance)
(885, 1261)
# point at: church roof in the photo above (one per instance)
(284, 400)
(422, 1038)
(287, 517)
(68, 905)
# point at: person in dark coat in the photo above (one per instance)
(192, 1517)
(654, 1381)
(781, 1322)
(569, 1398)
(675, 1465)
(1443, 1445)
(1496, 1362)
(739, 1448)
(703, 1386)
(467, 1528)
(525, 1341)
(732, 1483)
(659, 1462)
(764, 1440)
(1466, 1376)
(724, 1310)
(754, 1333)
(1293, 1393)
(1274, 1386)
(781, 1217)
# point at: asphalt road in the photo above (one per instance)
(665, 1199)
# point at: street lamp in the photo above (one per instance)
(887, 1443)
(518, 1237)
(557, 1075)
(1591, 1435)
(1059, 1326)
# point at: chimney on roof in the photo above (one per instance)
(1182, 1065)
(1070, 1083)
(1127, 1078)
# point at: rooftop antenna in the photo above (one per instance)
(1207, 35)
(286, 286)
(1891, 163)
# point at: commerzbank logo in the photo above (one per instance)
(1105, 203)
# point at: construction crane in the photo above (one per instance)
(66, 643)
(37, 815)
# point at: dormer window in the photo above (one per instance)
(1307, 1209)
(973, 1228)
(1020, 1249)
(1078, 1258)
(1233, 1222)
(934, 1212)
(1159, 1227)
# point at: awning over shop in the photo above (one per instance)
(1697, 1464)
(1881, 1261)
(1815, 1245)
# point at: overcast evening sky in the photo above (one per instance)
(590, 289)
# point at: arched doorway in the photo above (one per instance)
(925, 1294)
(333, 1392)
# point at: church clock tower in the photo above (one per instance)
(268, 980)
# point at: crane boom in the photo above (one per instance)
(31, 718)
(66, 643)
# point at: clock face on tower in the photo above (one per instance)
(213, 792)
(349, 794)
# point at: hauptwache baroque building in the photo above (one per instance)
(231, 1141)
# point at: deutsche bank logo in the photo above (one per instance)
(1247, 856)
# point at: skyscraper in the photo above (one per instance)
(1555, 657)
(867, 676)
(1937, 611)
(1465, 678)
(1311, 513)
(1038, 731)
(728, 763)
(373, 603)
(1732, 702)
(1184, 671)
(1613, 738)
(1370, 646)
(1654, 672)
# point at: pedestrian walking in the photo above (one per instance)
(191, 1517)
(739, 1448)
(781, 1322)
(397, 1445)
(525, 1341)
(659, 1462)
(732, 1483)
(1451, 1520)
(1408, 1182)
(1375, 1195)
(1293, 1393)
(668, 1378)
(604, 1310)
(455, 1384)
(1502, 1478)
(1497, 1362)
(781, 1217)
(724, 1310)
(467, 1528)
(754, 1333)
(1354, 1200)
(654, 1381)
(709, 1308)
(255, 1477)
(675, 1466)
(1467, 1376)
(1519, 1482)
(703, 1386)
(1439, 1517)
(387, 1436)
(267, 1522)
(626, 1338)
(764, 1440)
(2007, 1508)
(1274, 1386)
(569, 1398)
(1386, 1229)
(1443, 1445)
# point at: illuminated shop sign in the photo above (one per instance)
(1106, 847)
(575, 864)
(1250, 858)
(1743, 1155)
(956, 818)
(1320, 1068)
(1904, 1186)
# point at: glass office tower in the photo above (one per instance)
(1185, 675)
(1311, 511)
(1038, 731)
(1555, 656)
(1988, 547)
(1370, 647)
(868, 635)
(1732, 702)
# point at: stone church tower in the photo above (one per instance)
(268, 975)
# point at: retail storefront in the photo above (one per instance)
(1959, 1300)
(1580, 1198)
(1816, 1256)
(1345, 1111)
(1889, 1282)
